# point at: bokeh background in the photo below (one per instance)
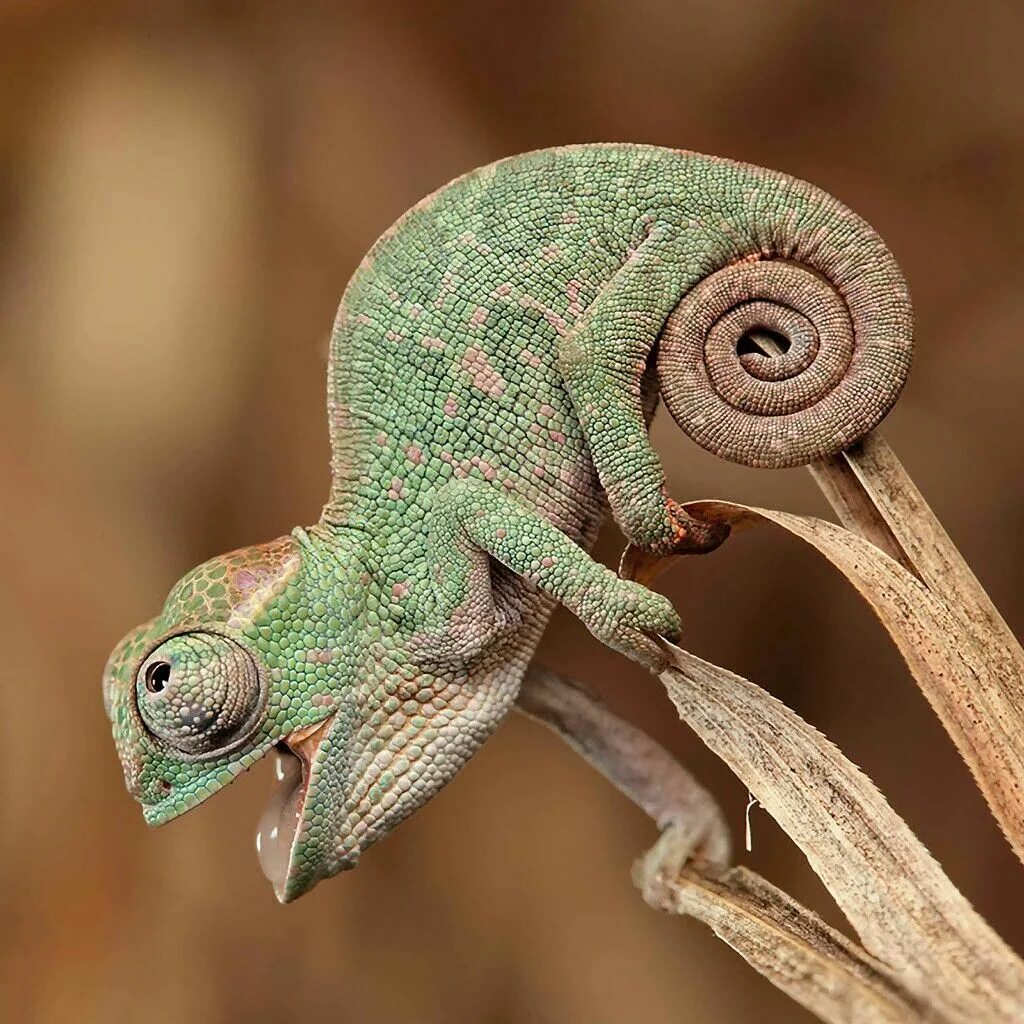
(184, 189)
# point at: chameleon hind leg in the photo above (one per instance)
(603, 361)
(473, 522)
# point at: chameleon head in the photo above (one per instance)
(224, 675)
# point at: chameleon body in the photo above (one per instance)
(492, 377)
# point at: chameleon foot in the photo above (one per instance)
(627, 616)
(694, 842)
(688, 535)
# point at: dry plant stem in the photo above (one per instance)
(820, 968)
(794, 949)
(906, 911)
(975, 677)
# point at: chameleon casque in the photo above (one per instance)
(494, 366)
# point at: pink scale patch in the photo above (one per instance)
(557, 436)
(447, 286)
(381, 439)
(547, 562)
(399, 590)
(414, 454)
(397, 490)
(451, 406)
(484, 377)
(479, 317)
(433, 343)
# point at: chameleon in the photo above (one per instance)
(494, 367)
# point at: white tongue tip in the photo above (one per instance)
(280, 820)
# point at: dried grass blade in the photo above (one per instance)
(963, 657)
(793, 948)
(906, 911)
(987, 716)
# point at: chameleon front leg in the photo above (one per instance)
(602, 362)
(471, 522)
(693, 826)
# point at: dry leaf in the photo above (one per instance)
(814, 964)
(959, 649)
(904, 908)
(975, 679)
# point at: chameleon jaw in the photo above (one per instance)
(279, 825)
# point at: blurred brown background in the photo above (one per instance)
(184, 189)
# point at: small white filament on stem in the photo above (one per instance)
(752, 802)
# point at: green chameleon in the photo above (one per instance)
(494, 367)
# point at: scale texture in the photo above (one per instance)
(494, 366)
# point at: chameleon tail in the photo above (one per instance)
(797, 351)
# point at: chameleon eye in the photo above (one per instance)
(200, 693)
(158, 675)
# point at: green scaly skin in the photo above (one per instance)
(489, 393)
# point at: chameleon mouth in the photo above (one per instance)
(279, 824)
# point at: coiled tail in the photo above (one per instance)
(798, 350)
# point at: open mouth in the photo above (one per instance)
(279, 824)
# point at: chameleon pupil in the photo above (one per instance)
(157, 676)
